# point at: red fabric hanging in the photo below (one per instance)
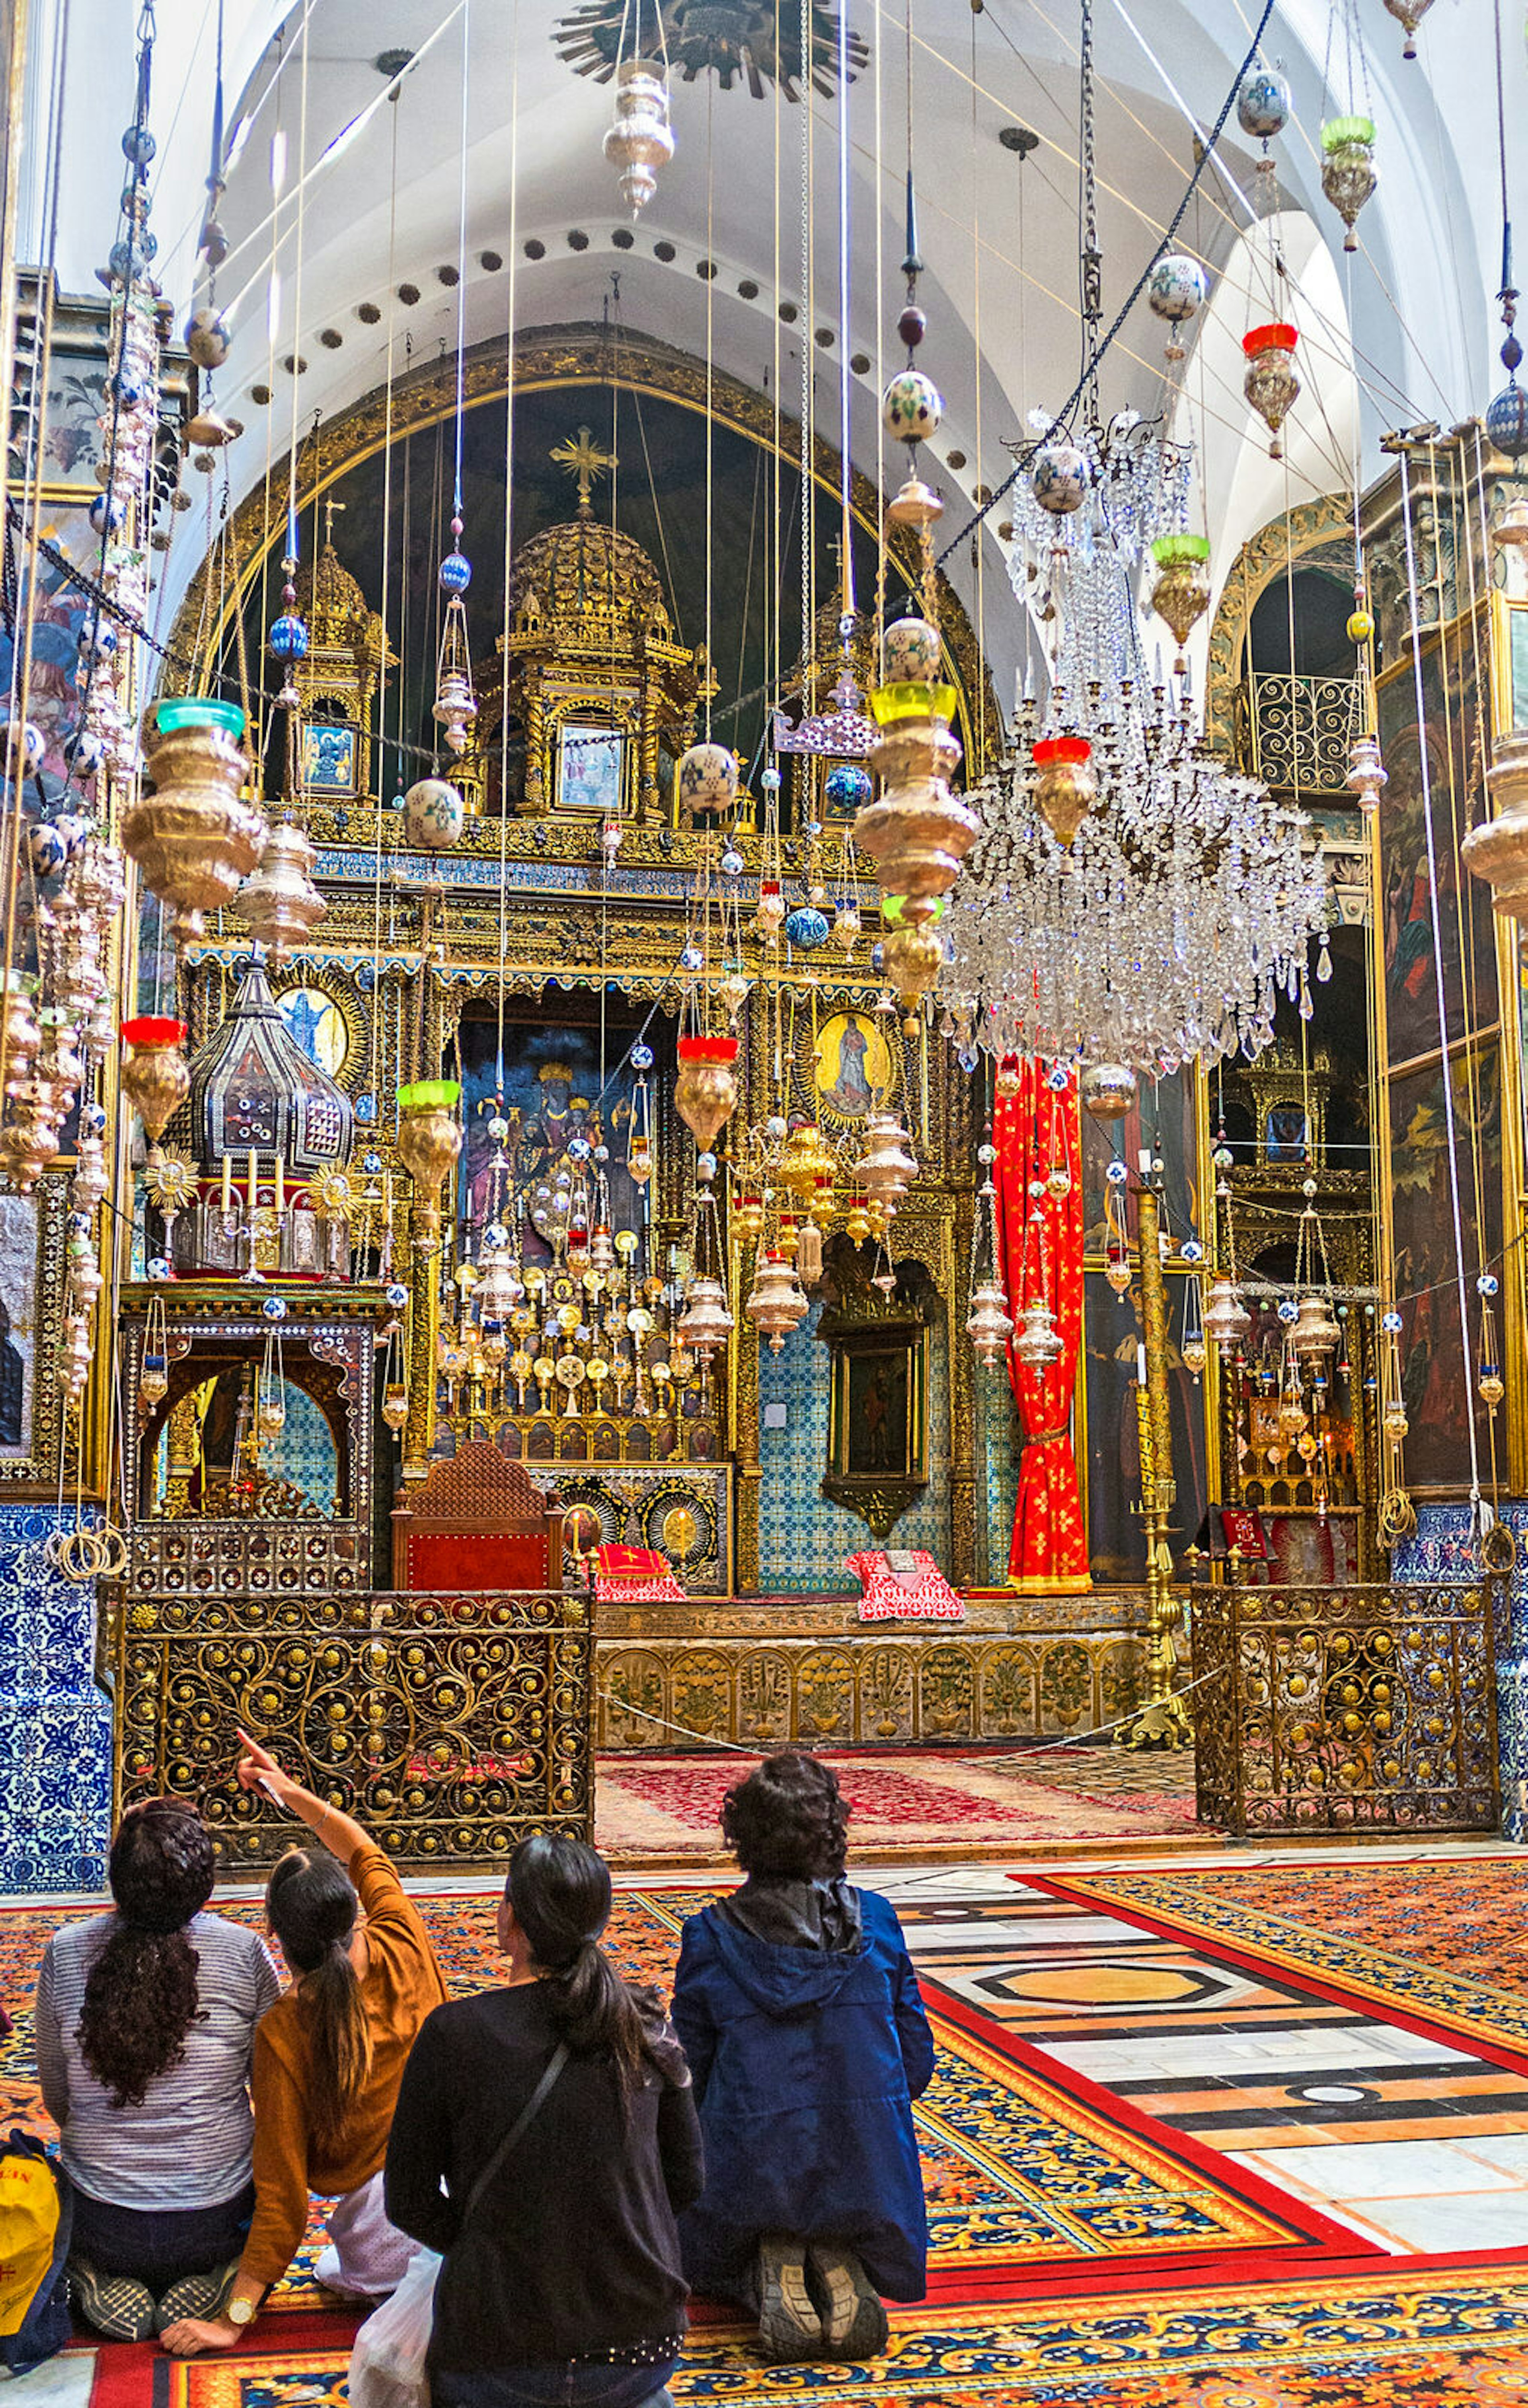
(1034, 1129)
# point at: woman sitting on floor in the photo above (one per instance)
(545, 2136)
(328, 2059)
(798, 2011)
(145, 2025)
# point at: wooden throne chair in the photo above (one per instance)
(476, 1522)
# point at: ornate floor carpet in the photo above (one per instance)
(1029, 2170)
(1440, 1948)
(1365, 2340)
(665, 1809)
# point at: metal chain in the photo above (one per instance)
(1092, 260)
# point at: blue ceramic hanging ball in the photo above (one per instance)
(289, 636)
(1506, 420)
(456, 572)
(806, 928)
(847, 788)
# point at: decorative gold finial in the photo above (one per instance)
(329, 509)
(584, 458)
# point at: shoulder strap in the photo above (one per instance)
(517, 2130)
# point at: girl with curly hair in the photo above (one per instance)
(797, 2008)
(145, 2029)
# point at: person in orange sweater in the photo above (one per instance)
(328, 2059)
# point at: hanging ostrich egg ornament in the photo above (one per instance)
(1176, 290)
(708, 778)
(1059, 479)
(1408, 15)
(912, 406)
(434, 814)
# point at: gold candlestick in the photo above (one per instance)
(1162, 1719)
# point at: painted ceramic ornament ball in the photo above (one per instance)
(456, 572)
(71, 832)
(1506, 420)
(1176, 288)
(434, 813)
(912, 653)
(45, 849)
(1059, 478)
(848, 787)
(207, 337)
(1263, 103)
(105, 514)
(708, 778)
(806, 928)
(912, 406)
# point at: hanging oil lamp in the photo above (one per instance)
(706, 1089)
(429, 1143)
(1227, 1320)
(1067, 786)
(194, 837)
(280, 903)
(988, 1324)
(1349, 174)
(1489, 1380)
(1191, 1346)
(1271, 384)
(456, 706)
(1408, 15)
(1180, 594)
(705, 1324)
(641, 140)
(1367, 776)
(1038, 1344)
(775, 1303)
(1106, 1090)
(155, 1076)
(1314, 1335)
(1497, 849)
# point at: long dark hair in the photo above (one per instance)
(560, 1891)
(140, 1998)
(312, 1903)
(790, 1819)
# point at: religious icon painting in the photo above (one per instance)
(32, 1273)
(852, 1069)
(589, 770)
(317, 1023)
(328, 758)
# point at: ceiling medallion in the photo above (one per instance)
(751, 39)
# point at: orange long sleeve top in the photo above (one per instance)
(400, 1986)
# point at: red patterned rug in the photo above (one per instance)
(664, 1807)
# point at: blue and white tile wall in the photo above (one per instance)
(55, 1724)
(997, 1439)
(1441, 1551)
(803, 1538)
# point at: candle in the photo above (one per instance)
(227, 1183)
(387, 1195)
(252, 1182)
(279, 1198)
(1140, 1363)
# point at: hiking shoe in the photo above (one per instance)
(201, 2295)
(112, 2305)
(853, 2318)
(788, 2326)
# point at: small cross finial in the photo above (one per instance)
(329, 509)
(586, 459)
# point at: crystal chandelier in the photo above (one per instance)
(1160, 921)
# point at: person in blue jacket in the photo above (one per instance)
(798, 2011)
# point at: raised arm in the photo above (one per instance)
(340, 1833)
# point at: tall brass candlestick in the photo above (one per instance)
(1162, 1719)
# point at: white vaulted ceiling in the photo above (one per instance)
(998, 232)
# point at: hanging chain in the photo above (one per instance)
(1093, 258)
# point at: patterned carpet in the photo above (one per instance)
(1370, 2341)
(665, 1809)
(1440, 1948)
(1027, 2170)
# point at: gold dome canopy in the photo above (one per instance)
(585, 568)
(332, 602)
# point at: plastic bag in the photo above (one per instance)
(387, 2363)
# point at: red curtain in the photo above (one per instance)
(1034, 1130)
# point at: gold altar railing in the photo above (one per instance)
(449, 1723)
(1359, 1708)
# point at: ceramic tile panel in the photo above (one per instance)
(56, 1725)
(1442, 1550)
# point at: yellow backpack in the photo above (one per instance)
(32, 2291)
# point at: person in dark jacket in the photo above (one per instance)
(564, 2287)
(797, 2008)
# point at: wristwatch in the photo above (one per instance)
(242, 2312)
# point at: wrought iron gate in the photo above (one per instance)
(1346, 1709)
(451, 1725)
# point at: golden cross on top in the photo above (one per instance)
(586, 459)
(329, 509)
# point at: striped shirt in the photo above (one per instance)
(189, 2143)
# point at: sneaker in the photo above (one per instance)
(201, 2295)
(112, 2305)
(788, 2325)
(854, 2317)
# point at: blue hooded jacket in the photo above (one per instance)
(806, 2063)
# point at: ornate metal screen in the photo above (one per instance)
(1302, 728)
(1357, 1708)
(450, 1723)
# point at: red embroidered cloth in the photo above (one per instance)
(1034, 1129)
(907, 1586)
(635, 1576)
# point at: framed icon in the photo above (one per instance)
(328, 758)
(589, 767)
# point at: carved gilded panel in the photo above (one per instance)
(764, 1696)
(1007, 1692)
(702, 1700)
(825, 1696)
(634, 1700)
(1066, 1687)
(948, 1694)
(886, 1695)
